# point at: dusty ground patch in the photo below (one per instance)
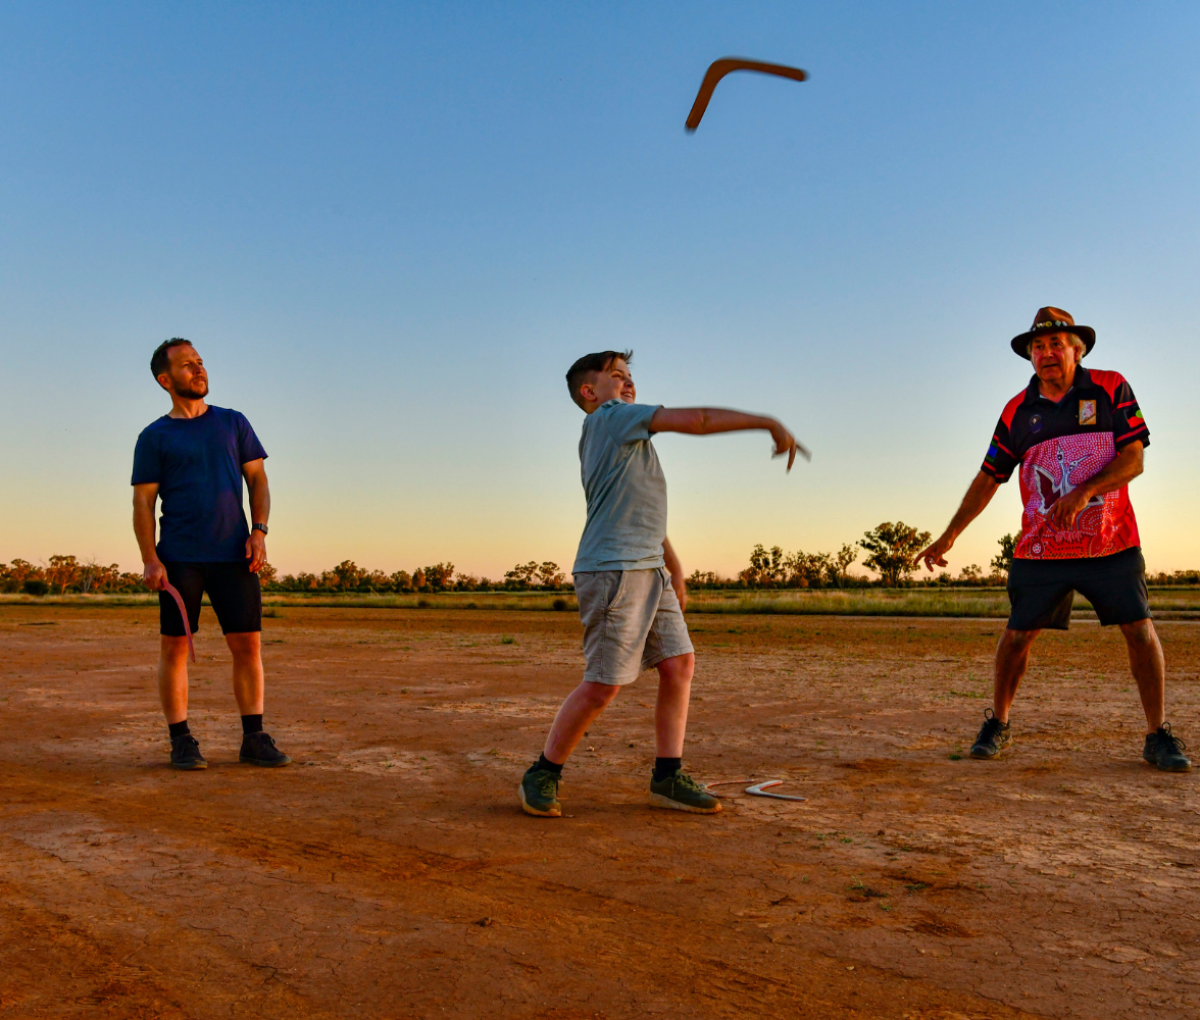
(388, 873)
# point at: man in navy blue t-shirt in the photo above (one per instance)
(194, 460)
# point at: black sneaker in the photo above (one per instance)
(259, 749)
(681, 792)
(539, 793)
(1165, 751)
(993, 738)
(185, 753)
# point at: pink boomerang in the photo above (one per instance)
(187, 627)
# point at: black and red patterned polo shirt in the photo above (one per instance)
(1060, 446)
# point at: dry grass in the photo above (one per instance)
(979, 603)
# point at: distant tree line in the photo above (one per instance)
(348, 576)
(63, 574)
(891, 550)
(773, 568)
(67, 574)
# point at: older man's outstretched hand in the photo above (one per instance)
(935, 554)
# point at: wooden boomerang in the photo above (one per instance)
(719, 68)
(187, 627)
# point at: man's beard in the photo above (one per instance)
(196, 391)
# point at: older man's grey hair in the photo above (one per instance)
(1076, 342)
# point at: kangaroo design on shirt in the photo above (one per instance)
(1053, 490)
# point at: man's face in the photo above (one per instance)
(614, 383)
(1054, 357)
(185, 376)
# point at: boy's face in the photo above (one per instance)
(614, 383)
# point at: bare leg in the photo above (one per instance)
(1149, 669)
(577, 713)
(247, 671)
(671, 711)
(173, 677)
(1012, 659)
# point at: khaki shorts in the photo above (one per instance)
(631, 621)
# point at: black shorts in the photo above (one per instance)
(234, 592)
(1041, 591)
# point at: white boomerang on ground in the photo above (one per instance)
(757, 790)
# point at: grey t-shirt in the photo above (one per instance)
(625, 488)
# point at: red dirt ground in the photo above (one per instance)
(389, 872)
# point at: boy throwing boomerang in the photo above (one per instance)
(628, 580)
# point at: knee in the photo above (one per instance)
(245, 647)
(600, 695)
(173, 649)
(678, 669)
(1015, 641)
(1140, 633)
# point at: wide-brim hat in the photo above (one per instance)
(1053, 320)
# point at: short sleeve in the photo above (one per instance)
(147, 460)
(628, 423)
(249, 448)
(1129, 425)
(1000, 461)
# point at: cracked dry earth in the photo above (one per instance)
(389, 873)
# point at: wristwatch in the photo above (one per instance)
(259, 527)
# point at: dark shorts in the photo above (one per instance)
(1041, 591)
(234, 592)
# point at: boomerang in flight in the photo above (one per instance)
(719, 68)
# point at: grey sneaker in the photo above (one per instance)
(680, 792)
(539, 793)
(1164, 751)
(185, 753)
(993, 738)
(259, 749)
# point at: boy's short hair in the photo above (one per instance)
(591, 364)
(160, 360)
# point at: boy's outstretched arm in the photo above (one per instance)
(702, 421)
(675, 568)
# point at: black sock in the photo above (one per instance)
(664, 767)
(545, 763)
(252, 723)
(178, 729)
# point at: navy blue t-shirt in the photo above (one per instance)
(197, 463)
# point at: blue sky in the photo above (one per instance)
(390, 228)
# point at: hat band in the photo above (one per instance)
(1055, 322)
